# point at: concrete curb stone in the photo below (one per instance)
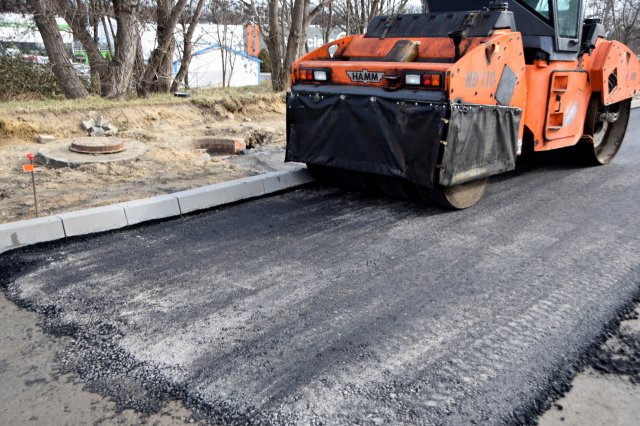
(228, 192)
(278, 181)
(100, 219)
(219, 193)
(90, 221)
(153, 208)
(31, 231)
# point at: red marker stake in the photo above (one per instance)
(30, 156)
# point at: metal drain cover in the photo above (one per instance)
(98, 145)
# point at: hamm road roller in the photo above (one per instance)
(427, 106)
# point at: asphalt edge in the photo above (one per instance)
(14, 235)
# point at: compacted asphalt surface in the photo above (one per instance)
(324, 306)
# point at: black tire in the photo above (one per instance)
(606, 136)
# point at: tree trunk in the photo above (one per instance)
(224, 54)
(106, 35)
(306, 22)
(329, 26)
(165, 72)
(275, 42)
(93, 22)
(63, 70)
(282, 53)
(76, 18)
(114, 74)
(138, 70)
(187, 51)
(121, 67)
(157, 76)
(113, 33)
(296, 32)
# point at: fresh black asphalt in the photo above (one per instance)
(320, 306)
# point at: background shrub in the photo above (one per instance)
(26, 80)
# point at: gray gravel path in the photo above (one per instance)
(322, 306)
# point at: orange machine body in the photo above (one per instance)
(556, 109)
(554, 95)
(451, 97)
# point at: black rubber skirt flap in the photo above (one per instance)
(482, 141)
(368, 134)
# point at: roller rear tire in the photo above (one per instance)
(607, 126)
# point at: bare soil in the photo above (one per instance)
(34, 391)
(173, 160)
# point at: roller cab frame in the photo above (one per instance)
(428, 106)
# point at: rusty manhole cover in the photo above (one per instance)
(98, 145)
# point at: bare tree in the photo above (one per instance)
(354, 15)
(122, 64)
(285, 28)
(157, 75)
(625, 26)
(621, 19)
(187, 45)
(283, 23)
(107, 36)
(68, 79)
(227, 15)
(114, 72)
(328, 24)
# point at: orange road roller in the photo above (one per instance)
(427, 106)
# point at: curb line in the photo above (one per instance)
(23, 233)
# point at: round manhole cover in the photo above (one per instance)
(98, 145)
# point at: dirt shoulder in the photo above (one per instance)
(169, 127)
(34, 392)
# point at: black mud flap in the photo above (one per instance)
(370, 134)
(481, 141)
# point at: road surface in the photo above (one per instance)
(323, 306)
